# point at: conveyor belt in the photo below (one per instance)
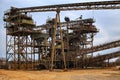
(104, 57)
(74, 6)
(102, 47)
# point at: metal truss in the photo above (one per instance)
(74, 6)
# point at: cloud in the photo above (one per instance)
(101, 37)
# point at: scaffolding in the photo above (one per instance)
(56, 44)
(19, 44)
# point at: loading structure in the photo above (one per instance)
(50, 46)
(98, 60)
(19, 43)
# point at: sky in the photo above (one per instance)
(107, 21)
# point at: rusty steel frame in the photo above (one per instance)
(102, 58)
(74, 6)
(18, 53)
(101, 47)
(19, 45)
(18, 50)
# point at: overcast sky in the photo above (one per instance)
(108, 21)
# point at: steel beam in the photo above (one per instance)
(74, 6)
(105, 57)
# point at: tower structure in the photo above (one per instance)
(80, 36)
(19, 44)
(24, 43)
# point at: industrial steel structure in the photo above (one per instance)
(55, 44)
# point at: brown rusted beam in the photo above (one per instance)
(73, 6)
(102, 47)
(104, 57)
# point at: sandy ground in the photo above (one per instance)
(91, 74)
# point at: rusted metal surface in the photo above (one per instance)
(101, 58)
(106, 56)
(19, 48)
(74, 6)
(50, 46)
(101, 47)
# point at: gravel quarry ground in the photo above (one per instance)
(86, 74)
